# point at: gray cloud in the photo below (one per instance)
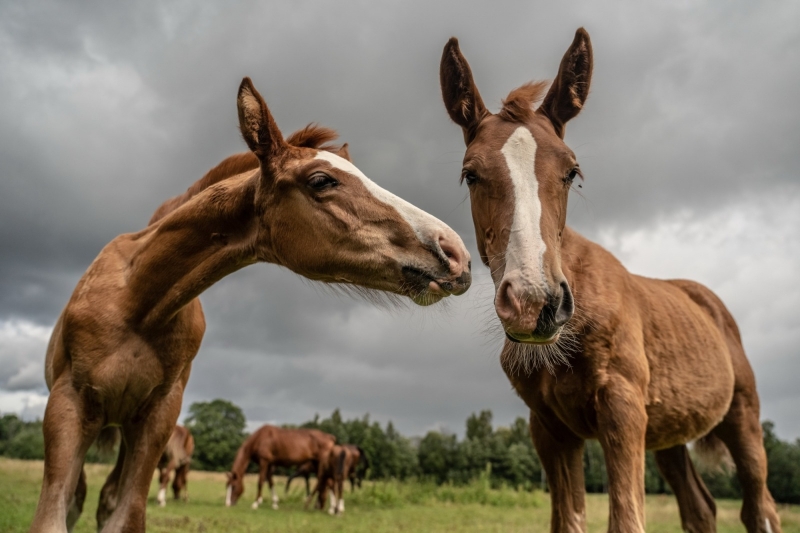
(105, 111)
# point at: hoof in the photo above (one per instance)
(254, 506)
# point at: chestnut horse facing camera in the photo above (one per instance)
(594, 351)
(271, 446)
(121, 351)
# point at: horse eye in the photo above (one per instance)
(321, 182)
(571, 176)
(469, 177)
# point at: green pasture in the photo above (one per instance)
(378, 507)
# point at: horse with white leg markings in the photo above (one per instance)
(341, 463)
(121, 352)
(356, 474)
(594, 351)
(271, 446)
(177, 457)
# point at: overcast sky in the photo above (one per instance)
(689, 143)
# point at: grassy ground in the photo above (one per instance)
(378, 507)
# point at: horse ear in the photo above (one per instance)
(570, 89)
(459, 92)
(258, 128)
(343, 152)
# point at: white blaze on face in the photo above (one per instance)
(525, 251)
(228, 496)
(427, 227)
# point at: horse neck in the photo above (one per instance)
(229, 167)
(243, 455)
(183, 254)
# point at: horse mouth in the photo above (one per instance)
(424, 288)
(534, 338)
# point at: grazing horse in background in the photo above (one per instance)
(121, 351)
(271, 446)
(594, 351)
(360, 466)
(341, 463)
(177, 457)
(356, 475)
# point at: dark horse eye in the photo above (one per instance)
(568, 179)
(469, 177)
(321, 182)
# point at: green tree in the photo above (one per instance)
(783, 462)
(437, 456)
(27, 442)
(218, 430)
(479, 427)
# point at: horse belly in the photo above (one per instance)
(691, 384)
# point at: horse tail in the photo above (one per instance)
(712, 454)
(106, 440)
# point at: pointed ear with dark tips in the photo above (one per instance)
(344, 152)
(258, 128)
(570, 89)
(459, 92)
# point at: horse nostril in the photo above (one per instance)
(455, 255)
(566, 306)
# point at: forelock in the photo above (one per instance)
(314, 136)
(518, 105)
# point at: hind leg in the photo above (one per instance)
(740, 430)
(697, 507)
(68, 433)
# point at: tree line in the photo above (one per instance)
(506, 453)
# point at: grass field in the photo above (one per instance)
(378, 507)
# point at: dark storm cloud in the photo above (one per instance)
(106, 110)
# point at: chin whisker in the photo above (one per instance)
(381, 299)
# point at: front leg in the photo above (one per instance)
(145, 439)
(263, 465)
(561, 454)
(270, 472)
(164, 481)
(622, 425)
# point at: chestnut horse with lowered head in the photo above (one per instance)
(177, 457)
(594, 351)
(121, 351)
(272, 446)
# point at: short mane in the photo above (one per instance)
(312, 136)
(518, 105)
